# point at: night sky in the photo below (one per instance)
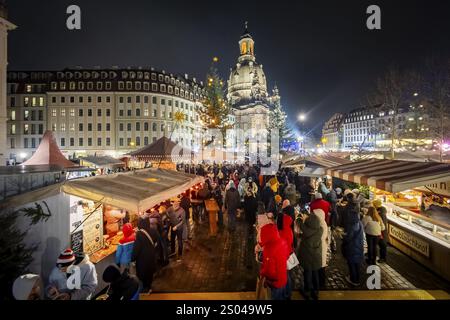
(319, 53)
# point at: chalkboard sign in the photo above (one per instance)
(76, 239)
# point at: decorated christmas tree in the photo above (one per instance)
(277, 121)
(216, 111)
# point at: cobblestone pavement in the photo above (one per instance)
(226, 263)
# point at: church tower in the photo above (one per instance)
(5, 26)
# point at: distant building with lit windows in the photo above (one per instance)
(332, 132)
(103, 111)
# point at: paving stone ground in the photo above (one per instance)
(226, 263)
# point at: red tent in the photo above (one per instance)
(48, 153)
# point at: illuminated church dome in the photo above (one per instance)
(247, 83)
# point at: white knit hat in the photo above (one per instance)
(23, 285)
(317, 195)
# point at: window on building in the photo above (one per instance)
(26, 129)
(128, 126)
(72, 142)
(99, 127)
(138, 99)
(121, 113)
(108, 112)
(80, 99)
(80, 112)
(72, 127)
(108, 142)
(154, 113)
(99, 99)
(145, 141)
(154, 126)
(90, 142)
(89, 99)
(145, 112)
(25, 143)
(89, 126)
(145, 126)
(120, 126)
(63, 99)
(89, 112)
(138, 141)
(145, 99)
(80, 142)
(129, 112)
(121, 142)
(63, 142)
(99, 112)
(63, 127)
(128, 99)
(108, 127)
(154, 87)
(162, 127)
(53, 127)
(99, 142)
(63, 112)
(138, 112)
(41, 129)
(138, 126)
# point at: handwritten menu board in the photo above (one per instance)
(93, 229)
(76, 240)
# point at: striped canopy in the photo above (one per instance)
(392, 175)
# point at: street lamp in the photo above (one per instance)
(301, 117)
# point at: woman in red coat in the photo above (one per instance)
(274, 261)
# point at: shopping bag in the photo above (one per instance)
(262, 291)
(292, 261)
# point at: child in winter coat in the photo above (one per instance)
(125, 247)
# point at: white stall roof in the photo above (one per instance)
(392, 175)
(134, 191)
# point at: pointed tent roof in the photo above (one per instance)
(165, 148)
(48, 153)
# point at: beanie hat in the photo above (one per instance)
(66, 258)
(317, 195)
(23, 285)
(278, 198)
(355, 191)
(111, 273)
(338, 190)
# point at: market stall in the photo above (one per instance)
(163, 153)
(111, 200)
(102, 164)
(416, 232)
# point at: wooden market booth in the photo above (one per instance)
(163, 153)
(396, 183)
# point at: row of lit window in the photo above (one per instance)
(130, 86)
(80, 112)
(28, 129)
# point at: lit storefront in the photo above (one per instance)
(400, 185)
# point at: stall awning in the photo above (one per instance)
(312, 172)
(163, 149)
(324, 161)
(103, 161)
(134, 191)
(391, 175)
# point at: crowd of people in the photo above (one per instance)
(295, 219)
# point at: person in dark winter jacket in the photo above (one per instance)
(274, 261)
(232, 203)
(353, 245)
(145, 253)
(123, 286)
(177, 222)
(267, 195)
(310, 254)
(305, 193)
(125, 247)
(382, 242)
(217, 195)
(185, 203)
